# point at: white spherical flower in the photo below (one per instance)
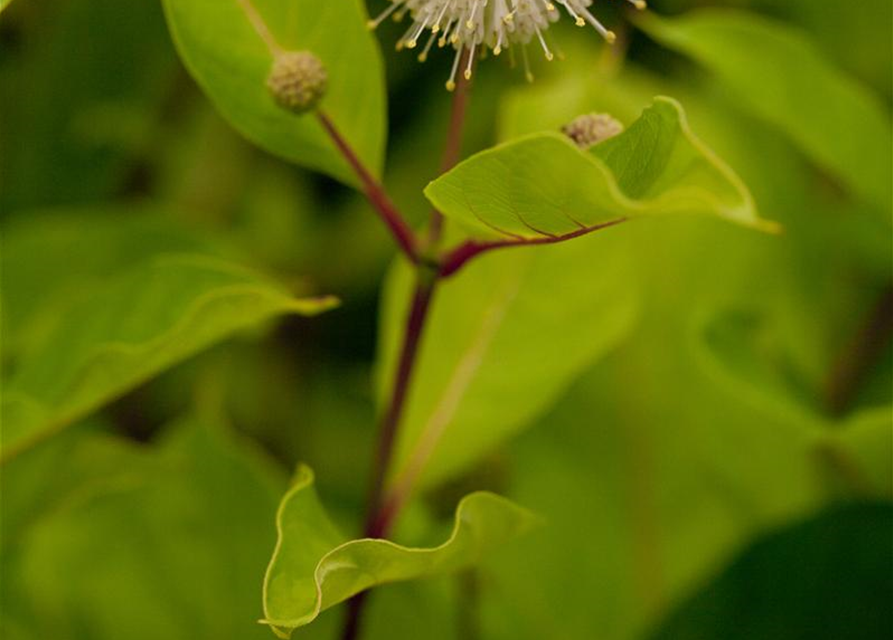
(476, 26)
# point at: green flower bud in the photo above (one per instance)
(588, 130)
(297, 81)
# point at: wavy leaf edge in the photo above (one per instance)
(305, 479)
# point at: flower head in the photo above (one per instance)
(588, 130)
(476, 26)
(297, 80)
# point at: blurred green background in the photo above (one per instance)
(724, 472)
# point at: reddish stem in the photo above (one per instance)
(855, 363)
(351, 629)
(453, 147)
(390, 421)
(379, 517)
(458, 257)
(376, 194)
(376, 526)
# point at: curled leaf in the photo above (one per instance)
(543, 186)
(314, 568)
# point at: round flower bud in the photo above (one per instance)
(588, 130)
(297, 80)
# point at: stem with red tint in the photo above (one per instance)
(375, 526)
(860, 355)
(390, 421)
(458, 257)
(376, 194)
(379, 517)
(453, 148)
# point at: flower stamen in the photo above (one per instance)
(480, 26)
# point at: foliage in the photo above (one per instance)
(314, 568)
(231, 62)
(691, 420)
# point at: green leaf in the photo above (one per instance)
(739, 349)
(743, 351)
(313, 568)
(543, 186)
(53, 473)
(504, 339)
(858, 452)
(645, 462)
(172, 548)
(827, 578)
(779, 75)
(147, 320)
(67, 253)
(230, 61)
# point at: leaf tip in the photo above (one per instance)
(280, 632)
(316, 305)
(770, 226)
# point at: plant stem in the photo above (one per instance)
(381, 514)
(468, 621)
(376, 194)
(380, 517)
(453, 147)
(375, 526)
(454, 260)
(851, 368)
(351, 629)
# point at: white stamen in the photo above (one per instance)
(479, 26)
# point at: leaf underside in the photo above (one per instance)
(543, 186)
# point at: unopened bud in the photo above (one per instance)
(297, 81)
(587, 131)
